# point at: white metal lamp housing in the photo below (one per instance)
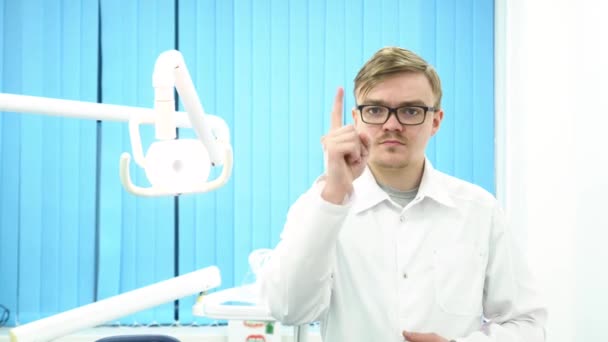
(177, 166)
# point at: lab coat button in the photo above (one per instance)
(404, 275)
(402, 218)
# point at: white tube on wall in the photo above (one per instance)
(121, 305)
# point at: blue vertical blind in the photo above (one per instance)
(69, 233)
(47, 164)
(136, 235)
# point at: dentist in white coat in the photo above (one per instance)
(385, 248)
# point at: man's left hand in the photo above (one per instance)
(421, 337)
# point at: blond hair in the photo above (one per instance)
(390, 61)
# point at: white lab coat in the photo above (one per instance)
(369, 269)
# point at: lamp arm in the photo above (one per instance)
(109, 309)
(97, 111)
(170, 70)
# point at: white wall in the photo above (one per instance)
(552, 155)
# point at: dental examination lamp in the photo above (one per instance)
(173, 167)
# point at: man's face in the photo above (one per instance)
(393, 145)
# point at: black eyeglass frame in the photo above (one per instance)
(393, 111)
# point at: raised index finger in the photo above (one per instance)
(336, 113)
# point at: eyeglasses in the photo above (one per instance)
(406, 115)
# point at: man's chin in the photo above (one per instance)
(392, 163)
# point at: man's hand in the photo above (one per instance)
(347, 152)
(420, 337)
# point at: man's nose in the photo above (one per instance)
(392, 124)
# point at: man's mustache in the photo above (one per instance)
(388, 137)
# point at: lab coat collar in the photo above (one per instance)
(433, 186)
(368, 193)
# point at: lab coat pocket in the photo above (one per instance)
(458, 279)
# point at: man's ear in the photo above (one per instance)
(437, 119)
(355, 114)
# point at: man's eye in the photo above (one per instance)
(374, 110)
(411, 111)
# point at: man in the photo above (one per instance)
(385, 248)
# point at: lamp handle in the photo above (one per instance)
(125, 178)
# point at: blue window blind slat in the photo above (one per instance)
(67, 263)
(428, 32)
(279, 125)
(5, 235)
(226, 85)
(2, 33)
(390, 22)
(9, 210)
(483, 95)
(31, 199)
(110, 192)
(372, 29)
(335, 52)
(206, 213)
(260, 133)
(110, 208)
(446, 68)
(50, 190)
(129, 42)
(53, 251)
(30, 220)
(141, 229)
(353, 60)
(68, 272)
(315, 87)
(463, 75)
(86, 199)
(243, 106)
(298, 99)
(188, 238)
(50, 224)
(156, 231)
(113, 143)
(197, 215)
(411, 22)
(84, 87)
(9, 157)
